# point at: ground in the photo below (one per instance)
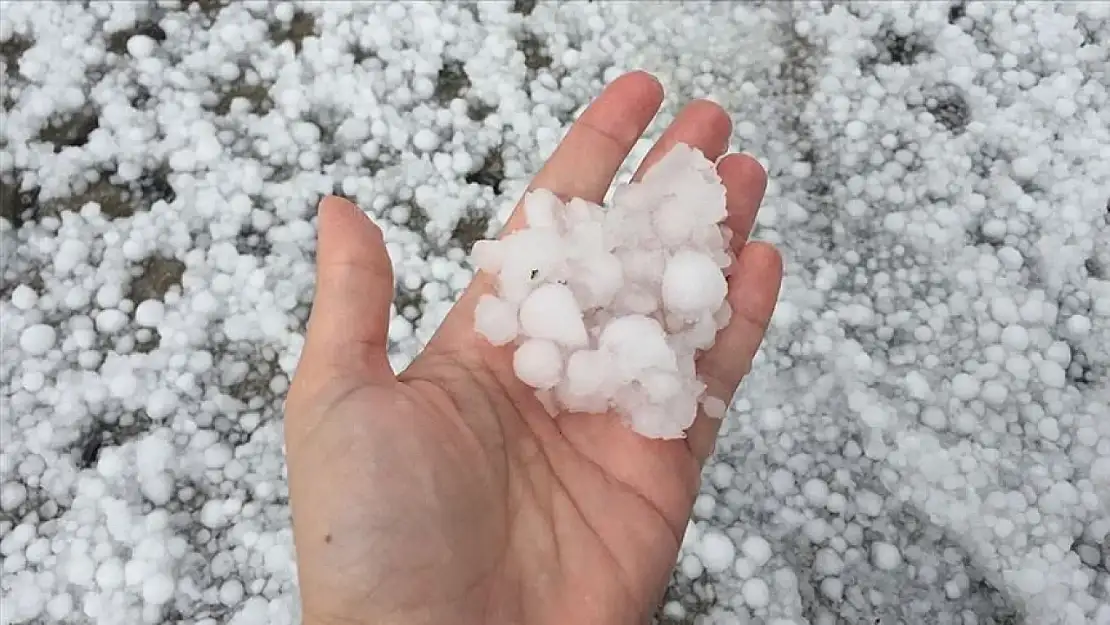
(925, 437)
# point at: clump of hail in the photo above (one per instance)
(607, 308)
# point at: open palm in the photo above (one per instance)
(447, 494)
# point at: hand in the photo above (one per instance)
(447, 494)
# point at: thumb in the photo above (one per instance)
(349, 322)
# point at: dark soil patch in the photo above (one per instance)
(491, 173)
(155, 277)
(256, 95)
(71, 131)
(302, 26)
(451, 82)
(117, 42)
(16, 206)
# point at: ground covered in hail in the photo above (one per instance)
(925, 437)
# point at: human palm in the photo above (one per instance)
(448, 494)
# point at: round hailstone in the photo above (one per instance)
(1078, 325)
(586, 372)
(1100, 471)
(693, 283)
(1051, 374)
(149, 313)
(60, 606)
(110, 321)
(24, 297)
(637, 343)
(12, 495)
(716, 551)
(1031, 581)
(109, 575)
(495, 319)
(487, 255)
(669, 420)
(158, 589)
(691, 566)
(231, 593)
(38, 339)
(756, 593)
(425, 140)
(541, 208)
(538, 363)
(756, 549)
(552, 313)
(601, 282)
(885, 556)
(964, 386)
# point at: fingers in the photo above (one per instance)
(582, 166)
(350, 310)
(746, 181)
(752, 293)
(597, 143)
(754, 285)
(700, 124)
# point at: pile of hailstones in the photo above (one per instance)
(607, 308)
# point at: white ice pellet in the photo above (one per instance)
(716, 551)
(623, 298)
(149, 313)
(692, 283)
(140, 46)
(33, 381)
(108, 296)
(1015, 337)
(110, 321)
(12, 495)
(538, 363)
(495, 319)
(1100, 471)
(756, 592)
(1024, 168)
(60, 606)
(816, 491)
(771, 419)
(38, 339)
(123, 385)
(109, 575)
(704, 505)
(756, 549)
(425, 140)
(487, 255)
(885, 556)
(24, 297)
(691, 566)
(160, 403)
(1031, 580)
(637, 343)
(743, 568)
(965, 387)
(1051, 374)
(586, 371)
(158, 589)
(551, 312)
(231, 592)
(1078, 325)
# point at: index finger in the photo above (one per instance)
(583, 165)
(589, 156)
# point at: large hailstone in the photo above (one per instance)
(607, 308)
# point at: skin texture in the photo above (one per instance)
(447, 494)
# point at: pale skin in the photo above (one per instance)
(447, 493)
